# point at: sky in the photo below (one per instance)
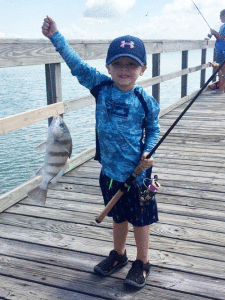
(108, 19)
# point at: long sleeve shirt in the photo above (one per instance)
(119, 117)
(220, 41)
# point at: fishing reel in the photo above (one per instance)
(150, 190)
(208, 37)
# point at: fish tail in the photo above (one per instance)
(39, 195)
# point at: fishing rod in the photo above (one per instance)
(201, 14)
(138, 169)
(209, 35)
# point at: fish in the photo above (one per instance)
(58, 148)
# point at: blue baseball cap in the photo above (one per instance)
(128, 46)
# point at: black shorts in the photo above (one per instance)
(128, 207)
(220, 57)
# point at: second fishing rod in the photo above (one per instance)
(209, 35)
(138, 169)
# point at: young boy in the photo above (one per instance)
(220, 53)
(124, 115)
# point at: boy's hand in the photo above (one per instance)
(213, 32)
(145, 163)
(49, 27)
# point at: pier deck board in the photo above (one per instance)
(49, 252)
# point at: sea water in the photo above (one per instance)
(24, 88)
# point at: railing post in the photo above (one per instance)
(203, 72)
(184, 78)
(156, 72)
(214, 59)
(53, 84)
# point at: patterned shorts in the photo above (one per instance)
(128, 207)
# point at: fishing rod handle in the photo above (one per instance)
(119, 194)
(109, 206)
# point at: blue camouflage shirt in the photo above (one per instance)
(119, 117)
(220, 44)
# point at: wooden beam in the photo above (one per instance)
(203, 61)
(184, 65)
(156, 72)
(53, 84)
(158, 79)
(18, 193)
(36, 115)
(30, 117)
(25, 52)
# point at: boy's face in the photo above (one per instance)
(124, 72)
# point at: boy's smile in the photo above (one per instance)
(125, 71)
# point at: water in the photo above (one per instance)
(23, 88)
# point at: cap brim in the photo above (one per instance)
(109, 61)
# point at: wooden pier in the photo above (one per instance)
(49, 252)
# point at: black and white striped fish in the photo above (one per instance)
(58, 148)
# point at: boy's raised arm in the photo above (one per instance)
(86, 75)
(49, 27)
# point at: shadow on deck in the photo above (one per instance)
(49, 252)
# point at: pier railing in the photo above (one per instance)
(16, 52)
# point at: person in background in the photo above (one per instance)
(125, 114)
(220, 54)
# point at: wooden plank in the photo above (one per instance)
(33, 116)
(75, 104)
(21, 52)
(183, 262)
(170, 280)
(163, 237)
(13, 196)
(30, 117)
(80, 158)
(67, 288)
(15, 288)
(161, 78)
(70, 204)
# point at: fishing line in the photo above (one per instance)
(201, 14)
(209, 35)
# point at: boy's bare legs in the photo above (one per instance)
(142, 236)
(222, 80)
(120, 232)
(215, 84)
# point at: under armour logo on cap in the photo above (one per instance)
(124, 43)
(128, 46)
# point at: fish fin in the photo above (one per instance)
(41, 147)
(39, 195)
(60, 174)
(40, 171)
(69, 151)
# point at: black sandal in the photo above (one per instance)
(135, 276)
(106, 266)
